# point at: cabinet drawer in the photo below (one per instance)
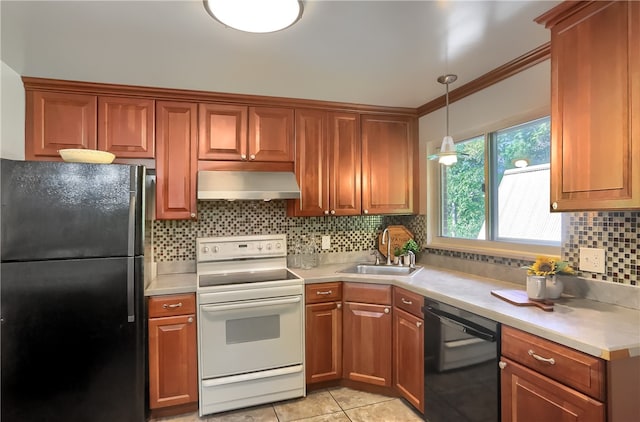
(575, 369)
(408, 301)
(161, 306)
(323, 292)
(367, 293)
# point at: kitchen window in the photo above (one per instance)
(497, 195)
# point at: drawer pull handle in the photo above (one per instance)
(550, 361)
(172, 306)
(328, 292)
(406, 302)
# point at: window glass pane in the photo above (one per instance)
(522, 197)
(463, 200)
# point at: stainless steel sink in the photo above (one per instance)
(380, 269)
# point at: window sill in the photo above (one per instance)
(496, 249)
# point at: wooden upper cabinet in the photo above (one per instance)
(57, 121)
(389, 152)
(223, 132)
(271, 136)
(327, 163)
(595, 105)
(176, 163)
(126, 126)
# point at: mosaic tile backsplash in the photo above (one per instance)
(616, 232)
(175, 240)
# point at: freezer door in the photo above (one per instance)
(68, 350)
(54, 210)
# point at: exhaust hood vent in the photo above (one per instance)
(247, 185)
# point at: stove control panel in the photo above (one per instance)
(241, 247)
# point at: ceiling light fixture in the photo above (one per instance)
(447, 154)
(258, 16)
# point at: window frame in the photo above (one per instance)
(501, 248)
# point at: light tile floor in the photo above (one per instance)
(337, 404)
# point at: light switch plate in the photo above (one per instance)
(592, 259)
(326, 242)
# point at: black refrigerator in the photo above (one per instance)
(72, 327)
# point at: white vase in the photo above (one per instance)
(554, 287)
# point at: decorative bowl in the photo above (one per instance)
(86, 156)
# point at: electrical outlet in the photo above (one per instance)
(592, 259)
(326, 242)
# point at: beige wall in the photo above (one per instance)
(12, 109)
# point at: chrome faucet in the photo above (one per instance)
(412, 259)
(385, 235)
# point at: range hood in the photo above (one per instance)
(247, 185)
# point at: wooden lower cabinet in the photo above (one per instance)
(367, 349)
(528, 396)
(173, 357)
(324, 342)
(408, 357)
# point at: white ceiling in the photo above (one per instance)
(370, 52)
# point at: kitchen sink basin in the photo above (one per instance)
(380, 269)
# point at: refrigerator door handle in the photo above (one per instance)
(131, 316)
(132, 224)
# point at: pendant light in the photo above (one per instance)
(259, 16)
(447, 155)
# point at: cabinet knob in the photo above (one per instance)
(193, 215)
(365, 211)
(554, 205)
(243, 156)
(386, 310)
(339, 305)
(502, 364)
(333, 212)
(326, 212)
(190, 320)
(418, 324)
(252, 157)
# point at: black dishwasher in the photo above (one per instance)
(461, 380)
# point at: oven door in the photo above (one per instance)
(251, 335)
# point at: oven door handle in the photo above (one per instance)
(461, 324)
(215, 382)
(251, 304)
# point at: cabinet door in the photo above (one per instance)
(323, 342)
(126, 127)
(344, 187)
(408, 357)
(595, 82)
(312, 163)
(57, 121)
(176, 164)
(367, 351)
(173, 361)
(223, 132)
(527, 396)
(271, 134)
(388, 153)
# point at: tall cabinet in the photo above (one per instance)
(327, 163)
(595, 105)
(388, 158)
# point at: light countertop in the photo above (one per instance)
(599, 329)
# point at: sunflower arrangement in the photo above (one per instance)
(545, 266)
